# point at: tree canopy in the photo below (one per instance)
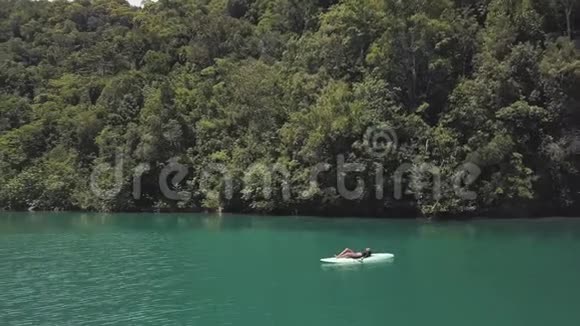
(479, 99)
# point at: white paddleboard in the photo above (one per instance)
(374, 258)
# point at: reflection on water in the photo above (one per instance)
(47, 222)
(53, 222)
(448, 229)
(355, 267)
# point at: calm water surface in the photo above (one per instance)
(147, 269)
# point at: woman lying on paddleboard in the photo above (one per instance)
(348, 253)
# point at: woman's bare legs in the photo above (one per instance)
(345, 253)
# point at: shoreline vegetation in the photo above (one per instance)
(442, 108)
(219, 215)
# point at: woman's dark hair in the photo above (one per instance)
(367, 253)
